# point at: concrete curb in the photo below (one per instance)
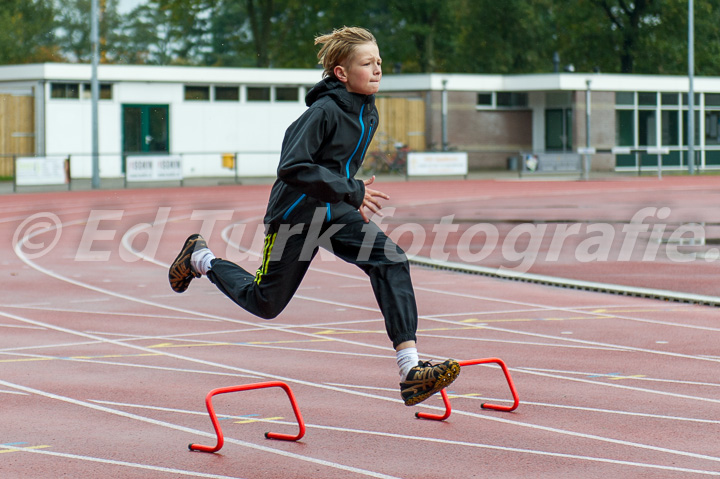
(507, 274)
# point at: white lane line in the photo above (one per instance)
(604, 314)
(558, 338)
(50, 273)
(13, 392)
(227, 238)
(18, 251)
(522, 343)
(456, 396)
(177, 427)
(89, 300)
(139, 366)
(112, 462)
(18, 326)
(623, 376)
(47, 346)
(536, 307)
(618, 386)
(374, 396)
(109, 313)
(434, 440)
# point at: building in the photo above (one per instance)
(205, 113)
(200, 114)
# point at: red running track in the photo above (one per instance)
(105, 369)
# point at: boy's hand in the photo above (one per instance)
(371, 200)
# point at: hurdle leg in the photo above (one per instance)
(246, 387)
(437, 417)
(511, 384)
(472, 362)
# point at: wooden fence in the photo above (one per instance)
(402, 121)
(17, 129)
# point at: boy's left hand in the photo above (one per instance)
(371, 200)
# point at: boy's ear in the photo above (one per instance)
(340, 73)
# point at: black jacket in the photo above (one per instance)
(321, 152)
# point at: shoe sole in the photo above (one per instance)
(443, 381)
(180, 274)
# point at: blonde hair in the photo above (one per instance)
(339, 45)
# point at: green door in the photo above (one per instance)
(145, 129)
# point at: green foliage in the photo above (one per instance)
(27, 32)
(464, 36)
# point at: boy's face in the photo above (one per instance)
(362, 72)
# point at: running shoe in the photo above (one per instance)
(424, 380)
(181, 273)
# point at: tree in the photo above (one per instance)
(514, 36)
(629, 19)
(74, 25)
(27, 32)
(155, 37)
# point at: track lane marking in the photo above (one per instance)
(177, 427)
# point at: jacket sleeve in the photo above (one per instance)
(298, 166)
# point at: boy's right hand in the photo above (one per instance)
(371, 200)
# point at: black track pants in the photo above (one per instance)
(286, 259)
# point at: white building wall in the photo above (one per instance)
(200, 131)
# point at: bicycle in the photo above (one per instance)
(383, 162)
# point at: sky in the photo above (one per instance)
(124, 6)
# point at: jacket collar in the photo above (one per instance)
(350, 102)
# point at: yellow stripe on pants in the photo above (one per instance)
(267, 249)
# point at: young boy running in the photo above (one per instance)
(316, 196)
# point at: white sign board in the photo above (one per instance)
(437, 163)
(153, 168)
(41, 170)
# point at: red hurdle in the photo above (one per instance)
(246, 387)
(472, 362)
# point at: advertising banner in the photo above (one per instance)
(153, 168)
(437, 163)
(41, 170)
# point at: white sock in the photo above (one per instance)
(406, 360)
(200, 260)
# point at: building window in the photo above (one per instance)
(646, 128)
(697, 127)
(105, 91)
(227, 93)
(712, 127)
(197, 93)
(712, 99)
(626, 98)
(258, 93)
(625, 128)
(485, 100)
(670, 121)
(647, 98)
(696, 96)
(669, 99)
(65, 90)
(286, 94)
(507, 99)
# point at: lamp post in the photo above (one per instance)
(94, 88)
(586, 159)
(444, 116)
(691, 89)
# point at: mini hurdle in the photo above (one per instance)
(472, 362)
(247, 387)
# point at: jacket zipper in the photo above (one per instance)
(347, 165)
(362, 134)
(367, 142)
